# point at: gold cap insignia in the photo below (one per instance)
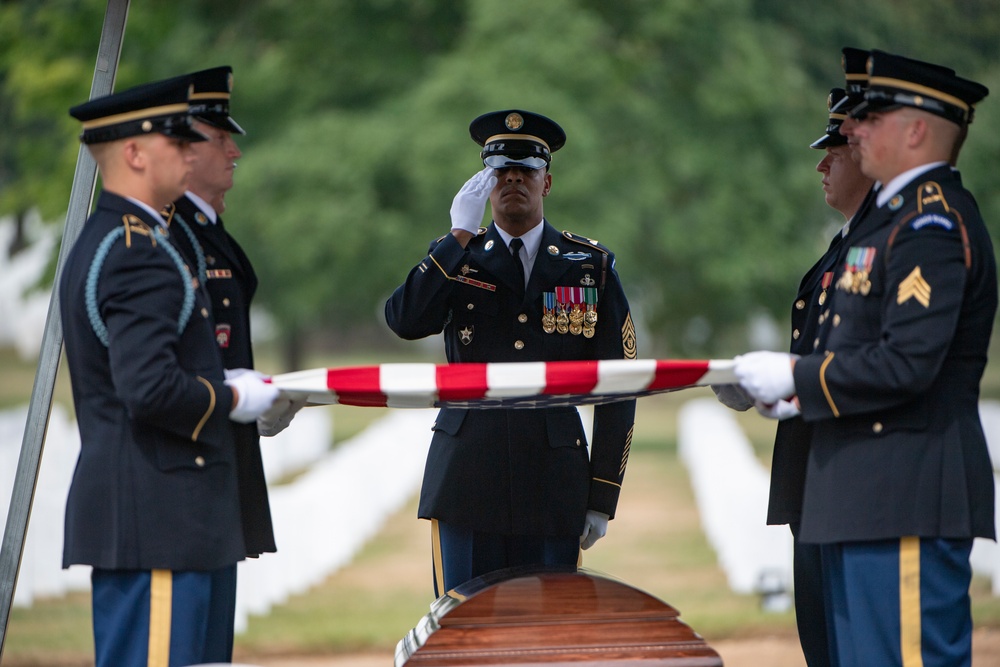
(514, 121)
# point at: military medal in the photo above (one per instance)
(827, 279)
(590, 315)
(549, 312)
(576, 320)
(857, 271)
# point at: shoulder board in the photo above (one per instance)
(134, 225)
(590, 243)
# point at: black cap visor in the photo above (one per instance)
(506, 153)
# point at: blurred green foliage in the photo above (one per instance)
(688, 127)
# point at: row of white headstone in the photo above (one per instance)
(731, 488)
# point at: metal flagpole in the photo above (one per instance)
(80, 200)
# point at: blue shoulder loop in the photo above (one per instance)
(202, 266)
(90, 288)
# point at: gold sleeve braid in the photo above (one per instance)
(628, 448)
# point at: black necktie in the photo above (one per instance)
(515, 252)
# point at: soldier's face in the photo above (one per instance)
(167, 162)
(843, 182)
(518, 194)
(214, 162)
(880, 138)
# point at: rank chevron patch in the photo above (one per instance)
(914, 287)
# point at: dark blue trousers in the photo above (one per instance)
(899, 602)
(460, 554)
(810, 610)
(160, 618)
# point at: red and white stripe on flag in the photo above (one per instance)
(502, 385)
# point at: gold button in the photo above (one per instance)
(877, 427)
(471, 306)
(796, 334)
(816, 343)
(225, 302)
(836, 320)
(522, 318)
(800, 304)
(199, 461)
(518, 344)
(578, 442)
(204, 312)
(822, 318)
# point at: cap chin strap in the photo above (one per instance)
(506, 161)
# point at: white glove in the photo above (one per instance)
(236, 372)
(733, 396)
(254, 396)
(595, 526)
(780, 410)
(279, 416)
(767, 376)
(469, 204)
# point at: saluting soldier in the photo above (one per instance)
(508, 487)
(899, 480)
(154, 501)
(225, 271)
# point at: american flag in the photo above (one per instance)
(501, 385)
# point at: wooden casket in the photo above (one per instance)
(552, 616)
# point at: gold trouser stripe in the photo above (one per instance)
(160, 605)
(909, 602)
(826, 390)
(208, 412)
(436, 557)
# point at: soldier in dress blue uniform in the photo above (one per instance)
(847, 190)
(899, 480)
(220, 264)
(504, 488)
(154, 502)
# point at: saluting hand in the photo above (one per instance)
(470, 203)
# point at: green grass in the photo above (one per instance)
(655, 543)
